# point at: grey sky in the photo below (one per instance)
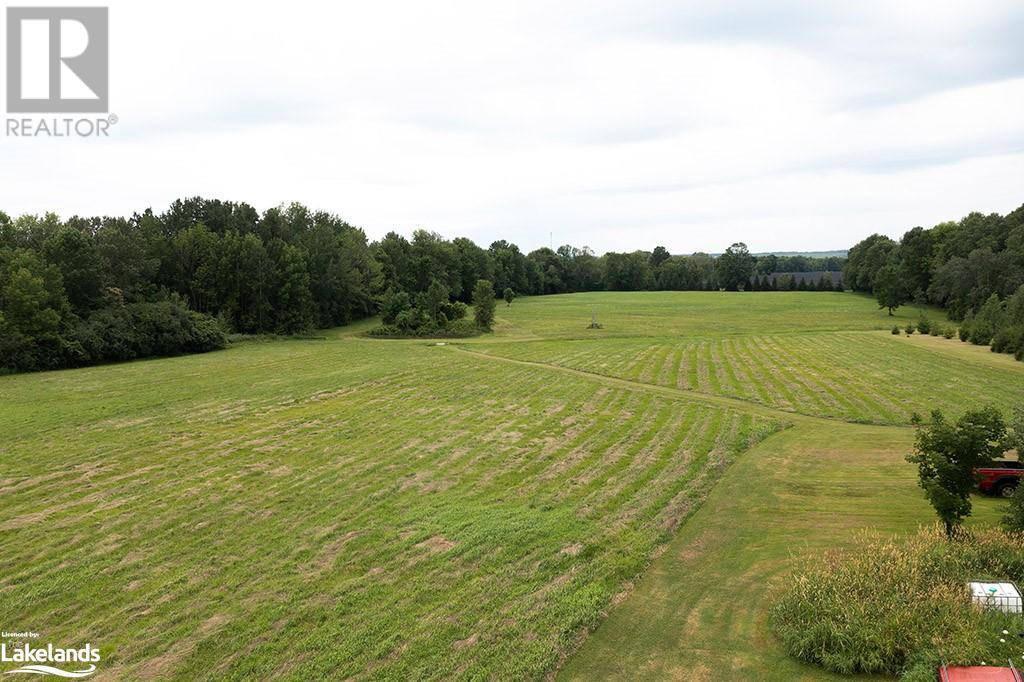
(618, 125)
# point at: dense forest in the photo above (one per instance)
(89, 290)
(974, 268)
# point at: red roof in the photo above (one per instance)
(978, 673)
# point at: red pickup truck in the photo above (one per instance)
(1001, 478)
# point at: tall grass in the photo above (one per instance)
(901, 606)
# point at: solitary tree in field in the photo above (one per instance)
(483, 304)
(947, 455)
(889, 289)
(509, 296)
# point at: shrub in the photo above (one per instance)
(1008, 339)
(924, 325)
(910, 328)
(462, 328)
(139, 330)
(889, 607)
(988, 321)
(935, 330)
(453, 330)
(431, 315)
(455, 310)
(895, 330)
(948, 332)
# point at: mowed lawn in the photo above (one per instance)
(357, 508)
(684, 314)
(812, 353)
(338, 508)
(700, 613)
(869, 377)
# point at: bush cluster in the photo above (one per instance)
(139, 330)
(998, 323)
(901, 607)
(926, 326)
(433, 314)
(114, 333)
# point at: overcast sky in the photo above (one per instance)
(617, 125)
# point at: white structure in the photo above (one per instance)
(1003, 596)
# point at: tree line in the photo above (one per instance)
(88, 290)
(974, 268)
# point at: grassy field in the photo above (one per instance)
(397, 509)
(338, 508)
(682, 314)
(871, 377)
(700, 612)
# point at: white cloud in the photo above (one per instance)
(616, 125)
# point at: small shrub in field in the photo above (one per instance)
(901, 607)
(924, 325)
(909, 328)
(948, 332)
(895, 330)
(935, 330)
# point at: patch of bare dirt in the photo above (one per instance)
(329, 554)
(466, 643)
(436, 544)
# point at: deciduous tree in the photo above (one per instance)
(947, 456)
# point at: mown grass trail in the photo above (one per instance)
(700, 612)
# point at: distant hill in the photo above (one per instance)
(839, 253)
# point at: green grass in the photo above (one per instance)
(701, 611)
(871, 377)
(680, 314)
(313, 509)
(350, 507)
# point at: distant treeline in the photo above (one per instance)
(88, 290)
(974, 268)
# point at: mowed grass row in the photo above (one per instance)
(854, 376)
(679, 314)
(345, 508)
